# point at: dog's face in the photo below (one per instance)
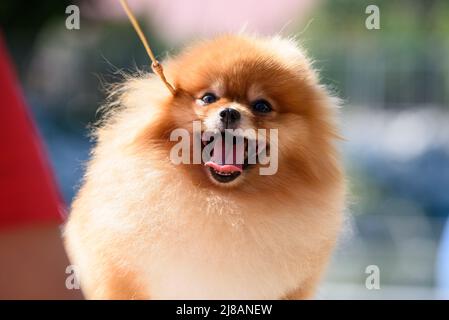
(254, 85)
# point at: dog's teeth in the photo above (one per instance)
(223, 173)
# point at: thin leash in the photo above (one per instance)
(155, 65)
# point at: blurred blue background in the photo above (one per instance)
(394, 83)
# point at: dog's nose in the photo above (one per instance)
(229, 116)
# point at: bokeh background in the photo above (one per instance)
(394, 83)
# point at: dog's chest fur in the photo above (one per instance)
(183, 244)
(222, 254)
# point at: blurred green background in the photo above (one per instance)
(394, 83)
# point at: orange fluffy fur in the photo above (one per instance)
(144, 228)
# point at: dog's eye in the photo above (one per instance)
(261, 106)
(209, 98)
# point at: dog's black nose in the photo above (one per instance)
(229, 116)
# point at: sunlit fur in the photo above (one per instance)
(142, 227)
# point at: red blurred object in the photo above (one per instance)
(28, 193)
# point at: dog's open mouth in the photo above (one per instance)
(228, 157)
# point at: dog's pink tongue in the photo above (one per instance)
(224, 160)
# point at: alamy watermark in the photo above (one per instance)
(372, 22)
(72, 22)
(232, 147)
(372, 282)
(72, 281)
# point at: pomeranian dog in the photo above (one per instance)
(144, 227)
